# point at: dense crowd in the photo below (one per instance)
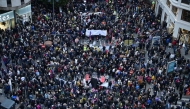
(53, 76)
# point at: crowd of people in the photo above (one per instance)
(64, 73)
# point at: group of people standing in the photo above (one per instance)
(64, 74)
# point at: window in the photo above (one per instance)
(174, 10)
(8, 3)
(185, 15)
(185, 1)
(2, 11)
(22, 1)
(168, 3)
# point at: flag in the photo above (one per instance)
(105, 84)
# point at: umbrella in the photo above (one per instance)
(102, 79)
(87, 77)
(48, 43)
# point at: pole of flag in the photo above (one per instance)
(90, 36)
(112, 38)
(10, 84)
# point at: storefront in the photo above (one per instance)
(7, 20)
(24, 14)
(184, 36)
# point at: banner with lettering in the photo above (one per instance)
(96, 32)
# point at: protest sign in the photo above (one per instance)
(156, 41)
(170, 67)
(128, 42)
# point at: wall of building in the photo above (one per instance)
(171, 18)
(3, 3)
(13, 5)
(6, 20)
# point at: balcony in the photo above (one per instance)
(9, 3)
(22, 2)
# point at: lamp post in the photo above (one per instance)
(53, 8)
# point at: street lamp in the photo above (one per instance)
(53, 8)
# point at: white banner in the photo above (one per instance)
(96, 32)
(105, 84)
(88, 14)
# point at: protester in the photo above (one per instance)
(63, 72)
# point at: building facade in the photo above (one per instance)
(176, 13)
(14, 11)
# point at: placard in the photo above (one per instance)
(171, 65)
(128, 42)
(156, 40)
